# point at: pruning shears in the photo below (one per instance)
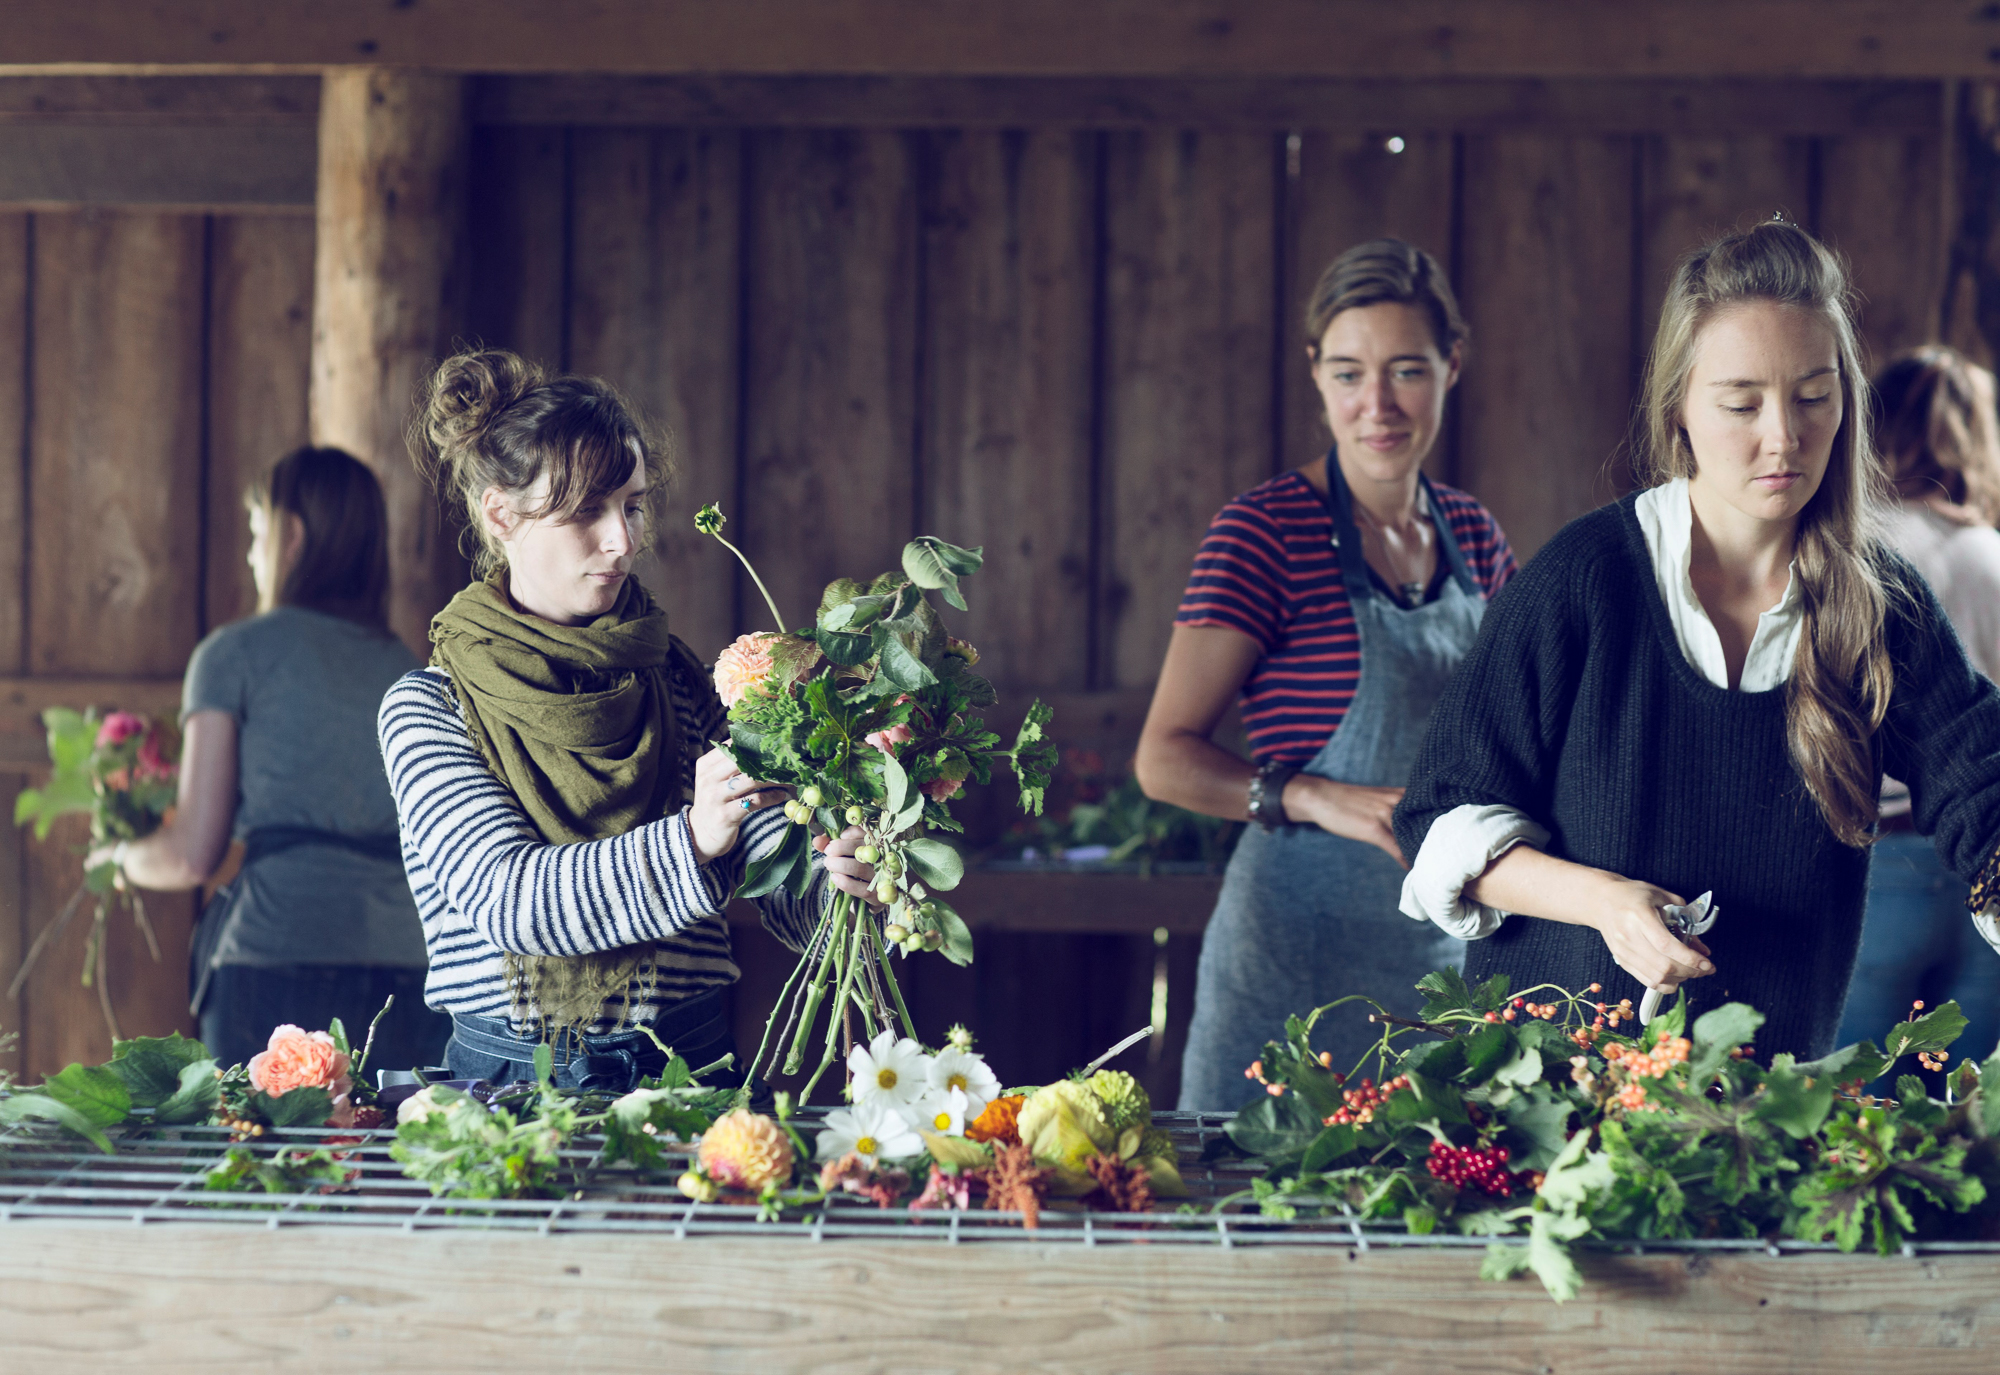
(1692, 920)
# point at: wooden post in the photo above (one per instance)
(387, 282)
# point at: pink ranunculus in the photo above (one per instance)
(297, 1058)
(742, 667)
(944, 789)
(887, 740)
(118, 727)
(153, 764)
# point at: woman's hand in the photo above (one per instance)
(1346, 809)
(843, 870)
(723, 800)
(1628, 917)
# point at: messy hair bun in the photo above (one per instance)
(491, 418)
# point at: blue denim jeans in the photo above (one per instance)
(697, 1029)
(1917, 942)
(244, 1002)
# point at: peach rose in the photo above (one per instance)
(743, 667)
(887, 740)
(298, 1059)
(944, 789)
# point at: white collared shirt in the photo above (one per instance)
(1463, 842)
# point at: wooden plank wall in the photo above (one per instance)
(1070, 345)
(150, 364)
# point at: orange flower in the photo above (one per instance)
(998, 1123)
(743, 667)
(746, 1151)
(298, 1059)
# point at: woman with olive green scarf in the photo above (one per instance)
(570, 834)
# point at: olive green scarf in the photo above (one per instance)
(578, 722)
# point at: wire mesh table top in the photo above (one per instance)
(158, 1176)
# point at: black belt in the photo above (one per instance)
(266, 841)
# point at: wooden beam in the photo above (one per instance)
(152, 100)
(1179, 38)
(392, 158)
(1390, 105)
(230, 167)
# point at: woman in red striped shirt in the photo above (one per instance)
(1333, 602)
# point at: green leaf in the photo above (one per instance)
(1034, 756)
(896, 783)
(1860, 1061)
(301, 1107)
(336, 1031)
(1934, 1031)
(1716, 1033)
(1537, 1128)
(1792, 1103)
(1327, 1147)
(900, 665)
(1503, 1262)
(1444, 1060)
(1989, 1096)
(957, 945)
(545, 1063)
(151, 1066)
(1551, 1261)
(764, 874)
(1910, 1090)
(1521, 1071)
(1447, 991)
(92, 1090)
(855, 614)
(1427, 1101)
(1487, 1049)
(30, 1105)
(1277, 1130)
(849, 651)
(936, 863)
(194, 1099)
(1489, 996)
(931, 563)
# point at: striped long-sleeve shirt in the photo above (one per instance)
(1268, 568)
(486, 882)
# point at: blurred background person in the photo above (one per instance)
(1939, 441)
(279, 751)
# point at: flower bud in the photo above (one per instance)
(896, 934)
(812, 797)
(700, 1189)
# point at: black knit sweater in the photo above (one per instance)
(1577, 707)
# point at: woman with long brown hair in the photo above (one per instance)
(1698, 688)
(1940, 446)
(280, 752)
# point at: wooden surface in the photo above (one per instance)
(221, 167)
(388, 288)
(1246, 38)
(214, 1298)
(16, 348)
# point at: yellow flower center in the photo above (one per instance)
(957, 1081)
(865, 1146)
(885, 1078)
(942, 1121)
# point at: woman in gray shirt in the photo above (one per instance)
(280, 751)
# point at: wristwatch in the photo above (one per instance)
(1267, 795)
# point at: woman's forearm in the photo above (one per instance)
(1192, 771)
(162, 861)
(1533, 884)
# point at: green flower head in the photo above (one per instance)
(1125, 1102)
(708, 520)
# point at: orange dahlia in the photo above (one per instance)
(999, 1122)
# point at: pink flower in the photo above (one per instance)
(118, 727)
(742, 667)
(119, 780)
(152, 764)
(887, 740)
(296, 1059)
(944, 789)
(943, 1190)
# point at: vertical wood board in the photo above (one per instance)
(15, 343)
(1349, 188)
(1881, 205)
(1188, 389)
(259, 367)
(116, 443)
(14, 935)
(653, 306)
(829, 403)
(1548, 287)
(518, 254)
(1007, 409)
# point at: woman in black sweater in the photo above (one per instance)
(1699, 687)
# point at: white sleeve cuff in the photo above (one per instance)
(1987, 924)
(1458, 849)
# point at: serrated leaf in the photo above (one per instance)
(1503, 1261)
(1278, 1130)
(151, 1066)
(1489, 996)
(1486, 1050)
(1537, 1128)
(1447, 992)
(33, 1106)
(936, 863)
(301, 1107)
(1716, 1033)
(1793, 1105)
(1934, 1031)
(93, 1090)
(1910, 1090)
(1523, 1069)
(1331, 1144)
(195, 1097)
(1439, 1059)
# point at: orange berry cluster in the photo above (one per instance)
(1463, 1167)
(1933, 1060)
(1670, 1051)
(1362, 1102)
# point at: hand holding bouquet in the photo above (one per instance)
(868, 714)
(122, 771)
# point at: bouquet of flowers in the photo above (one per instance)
(868, 714)
(123, 772)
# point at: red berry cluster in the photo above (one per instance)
(1464, 1167)
(1362, 1102)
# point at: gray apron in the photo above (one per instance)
(1306, 917)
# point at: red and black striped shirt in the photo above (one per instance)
(1267, 568)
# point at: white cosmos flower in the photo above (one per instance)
(953, 1068)
(873, 1129)
(942, 1112)
(889, 1068)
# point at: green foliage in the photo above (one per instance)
(291, 1170)
(465, 1149)
(1639, 1136)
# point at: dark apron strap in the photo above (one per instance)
(1347, 536)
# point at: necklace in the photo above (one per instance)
(1407, 562)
